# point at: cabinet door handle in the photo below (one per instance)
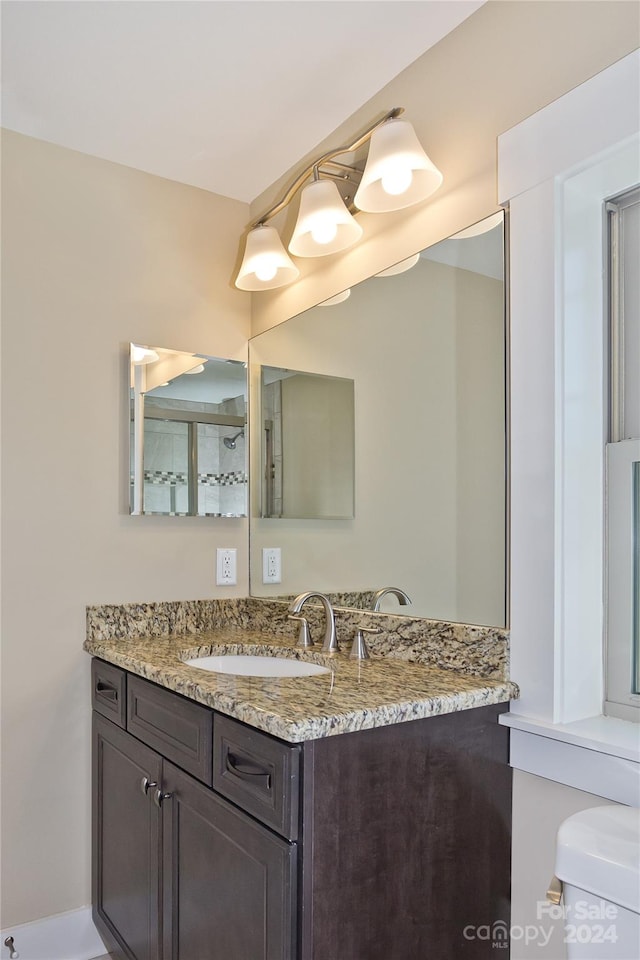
(146, 785)
(106, 692)
(159, 797)
(239, 769)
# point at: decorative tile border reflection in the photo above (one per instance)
(222, 479)
(175, 478)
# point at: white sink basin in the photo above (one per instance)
(244, 665)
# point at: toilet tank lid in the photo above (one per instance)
(598, 850)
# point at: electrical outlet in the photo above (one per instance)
(226, 567)
(271, 565)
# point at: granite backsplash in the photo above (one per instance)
(473, 650)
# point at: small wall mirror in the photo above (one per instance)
(187, 434)
(424, 344)
(307, 445)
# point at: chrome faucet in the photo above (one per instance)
(396, 591)
(330, 643)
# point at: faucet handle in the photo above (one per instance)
(359, 650)
(304, 637)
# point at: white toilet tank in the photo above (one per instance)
(598, 861)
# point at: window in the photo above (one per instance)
(556, 170)
(623, 460)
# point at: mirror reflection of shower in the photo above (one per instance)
(185, 459)
(230, 442)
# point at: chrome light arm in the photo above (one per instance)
(325, 158)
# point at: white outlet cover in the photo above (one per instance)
(226, 566)
(271, 565)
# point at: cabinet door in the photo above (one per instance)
(229, 883)
(126, 842)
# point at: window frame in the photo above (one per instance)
(556, 617)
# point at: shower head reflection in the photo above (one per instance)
(230, 442)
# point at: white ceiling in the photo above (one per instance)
(222, 94)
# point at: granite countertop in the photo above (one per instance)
(356, 695)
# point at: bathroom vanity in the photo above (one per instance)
(346, 836)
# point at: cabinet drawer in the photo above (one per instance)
(177, 728)
(109, 691)
(258, 773)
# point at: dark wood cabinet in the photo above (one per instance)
(179, 729)
(406, 840)
(259, 774)
(126, 842)
(109, 691)
(169, 853)
(386, 844)
(229, 884)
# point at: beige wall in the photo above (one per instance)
(317, 444)
(539, 807)
(480, 433)
(94, 254)
(502, 64)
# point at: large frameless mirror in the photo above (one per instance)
(188, 415)
(424, 345)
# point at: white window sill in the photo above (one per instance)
(619, 738)
(600, 755)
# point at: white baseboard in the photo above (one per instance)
(66, 936)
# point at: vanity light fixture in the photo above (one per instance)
(266, 264)
(398, 171)
(397, 174)
(198, 369)
(324, 224)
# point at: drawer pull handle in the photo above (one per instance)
(146, 785)
(239, 769)
(106, 692)
(159, 797)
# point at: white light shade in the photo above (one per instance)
(140, 355)
(401, 267)
(398, 171)
(266, 264)
(482, 226)
(339, 298)
(324, 224)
